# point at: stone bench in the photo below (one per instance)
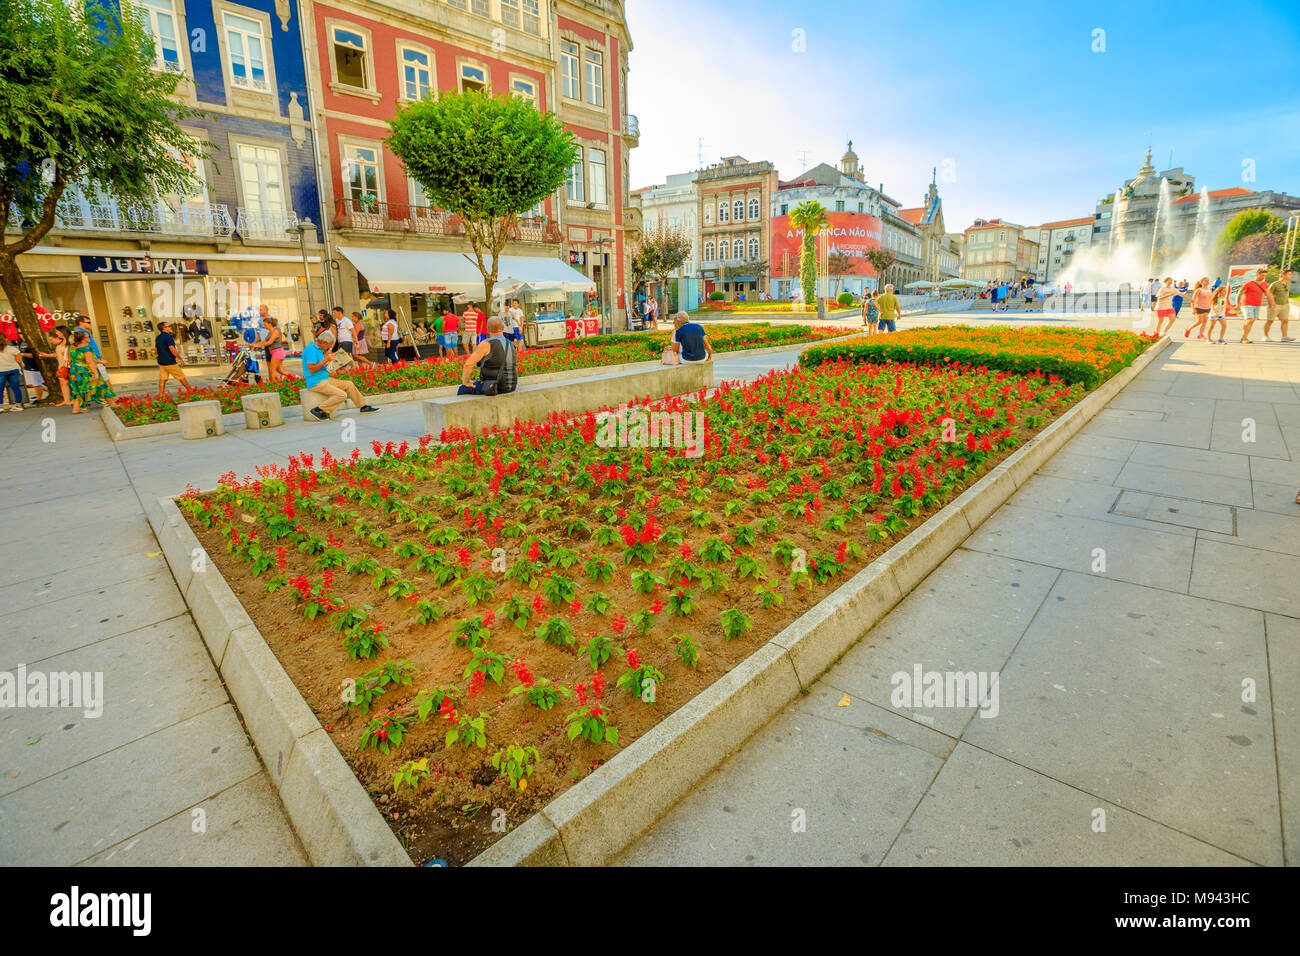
(309, 400)
(262, 410)
(571, 397)
(201, 419)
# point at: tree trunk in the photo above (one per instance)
(11, 280)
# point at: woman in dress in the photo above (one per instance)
(1200, 296)
(87, 385)
(1218, 307)
(360, 344)
(59, 336)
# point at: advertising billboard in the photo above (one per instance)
(852, 233)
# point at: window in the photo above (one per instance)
(785, 209)
(596, 175)
(533, 17)
(738, 249)
(480, 8)
(260, 175)
(708, 214)
(724, 212)
(575, 187)
(159, 19)
(418, 196)
(350, 58)
(753, 208)
(753, 247)
(738, 210)
(472, 78)
(839, 205)
(594, 74)
(524, 89)
(569, 70)
(510, 13)
(246, 48)
(361, 175)
(708, 251)
(416, 74)
(859, 207)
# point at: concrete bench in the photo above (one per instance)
(262, 410)
(200, 419)
(309, 400)
(572, 397)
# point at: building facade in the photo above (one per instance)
(855, 212)
(371, 56)
(234, 242)
(999, 250)
(676, 204)
(1059, 243)
(941, 256)
(735, 197)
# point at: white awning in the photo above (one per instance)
(546, 273)
(417, 271)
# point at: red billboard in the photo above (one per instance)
(852, 233)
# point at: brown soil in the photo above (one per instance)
(450, 816)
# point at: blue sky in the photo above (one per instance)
(1036, 125)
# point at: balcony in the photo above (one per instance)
(261, 225)
(632, 129)
(196, 220)
(381, 217)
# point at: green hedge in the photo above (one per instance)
(1068, 370)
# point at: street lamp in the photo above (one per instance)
(302, 229)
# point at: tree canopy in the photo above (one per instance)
(811, 217)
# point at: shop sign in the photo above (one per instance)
(142, 265)
(577, 258)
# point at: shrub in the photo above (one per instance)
(716, 296)
(844, 298)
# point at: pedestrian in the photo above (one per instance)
(343, 330)
(1165, 307)
(1152, 292)
(889, 311)
(1281, 309)
(1255, 301)
(870, 313)
(389, 335)
(1218, 308)
(322, 321)
(360, 341)
(88, 385)
(60, 339)
(170, 361)
(11, 375)
(31, 371)
(449, 341)
(1178, 297)
(1201, 298)
(333, 392)
(689, 340)
(275, 349)
(83, 323)
(515, 324)
(654, 314)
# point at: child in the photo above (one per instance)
(1218, 302)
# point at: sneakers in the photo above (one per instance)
(367, 409)
(319, 415)
(1286, 338)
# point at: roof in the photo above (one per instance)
(1063, 223)
(913, 215)
(1217, 194)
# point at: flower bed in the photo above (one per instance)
(505, 612)
(773, 306)
(433, 372)
(1085, 356)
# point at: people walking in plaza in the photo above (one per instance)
(889, 310)
(31, 371)
(495, 360)
(1255, 301)
(870, 312)
(1178, 297)
(1201, 296)
(60, 339)
(83, 324)
(449, 340)
(1152, 292)
(1218, 309)
(87, 384)
(11, 375)
(360, 344)
(1165, 307)
(332, 391)
(343, 330)
(275, 348)
(389, 336)
(1280, 311)
(652, 317)
(515, 324)
(170, 360)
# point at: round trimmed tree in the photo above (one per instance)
(811, 217)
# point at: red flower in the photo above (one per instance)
(619, 623)
(632, 660)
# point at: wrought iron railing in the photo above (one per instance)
(369, 216)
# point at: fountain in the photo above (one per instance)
(1160, 228)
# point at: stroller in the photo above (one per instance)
(245, 361)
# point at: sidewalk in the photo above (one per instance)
(1120, 691)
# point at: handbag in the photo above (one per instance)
(670, 357)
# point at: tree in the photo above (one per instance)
(837, 264)
(811, 217)
(1248, 222)
(661, 252)
(82, 104)
(484, 158)
(882, 260)
(1261, 247)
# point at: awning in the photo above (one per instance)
(545, 274)
(411, 270)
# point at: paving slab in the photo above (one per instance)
(1186, 484)
(1196, 460)
(1135, 695)
(1246, 576)
(1284, 680)
(1182, 512)
(983, 810)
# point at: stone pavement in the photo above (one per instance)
(1124, 686)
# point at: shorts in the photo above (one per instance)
(63, 372)
(1253, 312)
(346, 347)
(170, 371)
(33, 379)
(1281, 311)
(1164, 313)
(449, 340)
(883, 324)
(1201, 311)
(276, 355)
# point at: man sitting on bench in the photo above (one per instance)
(315, 368)
(497, 371)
